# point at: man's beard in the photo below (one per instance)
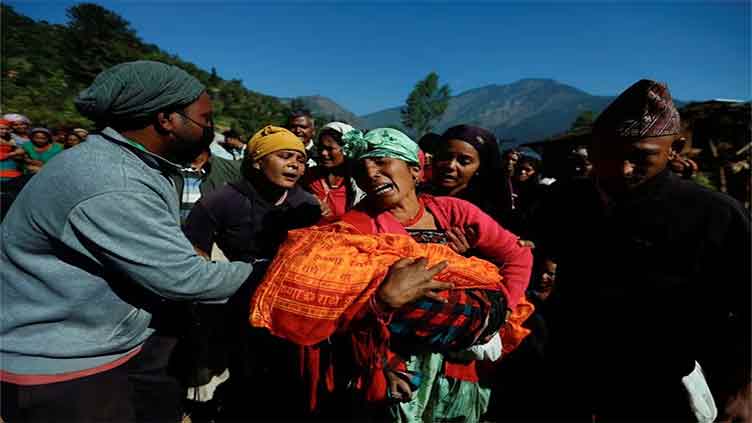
(187, 151)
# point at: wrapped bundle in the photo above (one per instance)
(323, 276)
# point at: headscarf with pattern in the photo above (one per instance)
(340, 127)
(380, 142)
(15, 117)
(643, 110)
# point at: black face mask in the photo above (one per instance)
(207, 136)
(190, 149)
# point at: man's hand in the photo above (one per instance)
(408, 280)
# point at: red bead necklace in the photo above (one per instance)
(415, 219)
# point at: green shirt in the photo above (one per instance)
(43, 156)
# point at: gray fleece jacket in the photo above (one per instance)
(98, 223)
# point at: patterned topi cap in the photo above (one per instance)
(643, 110)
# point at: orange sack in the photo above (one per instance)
(322, 276)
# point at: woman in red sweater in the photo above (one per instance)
(388, 171)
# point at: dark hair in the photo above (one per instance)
(41, 130)
(428, 142)
(69, 133)
(486, 188)
(300, 113)
(510, 151)
(247, 170)
(231, 133)
(535, 163)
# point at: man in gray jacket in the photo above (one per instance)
(92, 248)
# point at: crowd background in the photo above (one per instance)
(715, 152)
(510, 185)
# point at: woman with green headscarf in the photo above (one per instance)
(426, 377)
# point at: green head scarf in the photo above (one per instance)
(136, 90)
(380, 142)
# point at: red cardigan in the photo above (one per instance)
(495, 243)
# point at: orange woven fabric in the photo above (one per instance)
(513, 333)
(323, 275)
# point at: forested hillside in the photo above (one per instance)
(45, 65)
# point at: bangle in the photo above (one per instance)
(382, 311)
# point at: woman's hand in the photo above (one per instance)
(526, 243)
(399, 390)
(325, 210)
(408, 280)
(461, 240)
(33, 166)
(17, 154)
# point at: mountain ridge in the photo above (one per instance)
(326, 108)
(529, 109)
(525, 110)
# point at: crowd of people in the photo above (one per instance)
(25, 149)
(154, 271)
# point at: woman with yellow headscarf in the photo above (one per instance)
(248, 219)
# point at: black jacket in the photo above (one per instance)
(651, 283)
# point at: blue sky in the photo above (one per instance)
(368, 55)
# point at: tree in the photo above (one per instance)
(425, 105)
(583, 120)
(96, 39)
(44, 67)
(214, 78)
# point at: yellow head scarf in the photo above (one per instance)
(273, 138)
